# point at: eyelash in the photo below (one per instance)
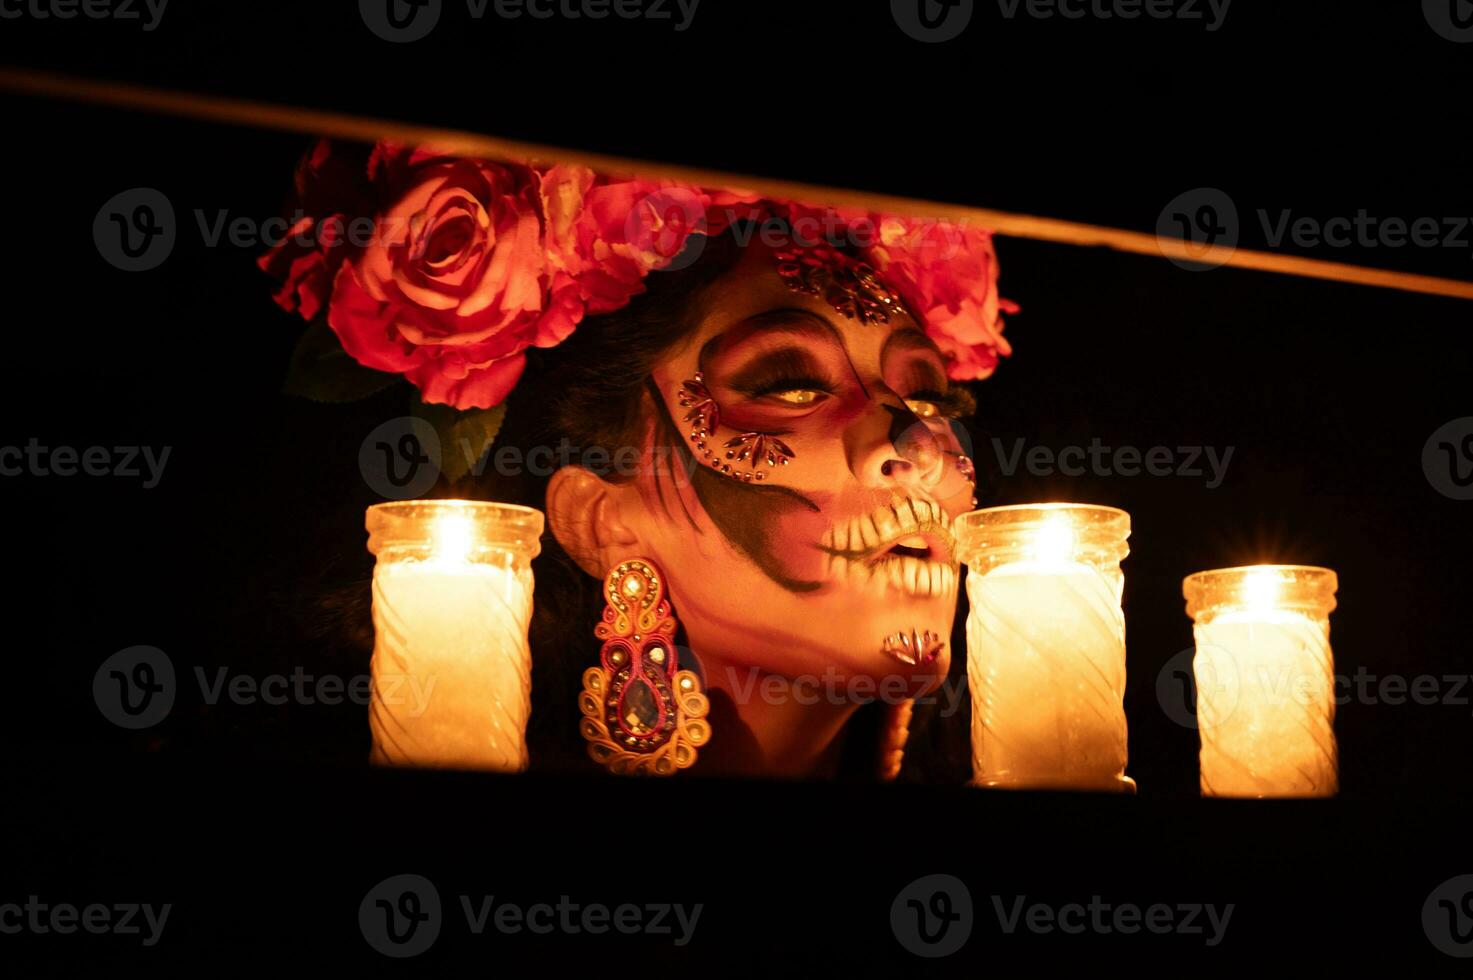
(790, 383)
(955, 403)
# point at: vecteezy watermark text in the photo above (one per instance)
(752, 686)
(1105, 918)
(1129, 461)
(35, 459)
(63, 918)
(1210, 12)
(402, 916)
(1365, 230)
(935, 21)
(1185, 686)
(402, 21)
(303, 688)
(147, 12)
(933, 917)
(1199, 229)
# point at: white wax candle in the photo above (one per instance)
(451, 666)
(1046, 663)
(1266, 704)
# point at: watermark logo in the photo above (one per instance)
(932, 21)
(1198, 229)
(135, 230)
(667, 224)
(1452, 19)
(1447, 916)
(400, 459)
(1447, 459)
(134, 688)
(1198, 690)
(932, 916)
(400, 916)
(400, 21)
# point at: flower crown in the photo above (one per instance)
(445, 269)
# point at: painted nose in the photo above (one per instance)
(918, 458)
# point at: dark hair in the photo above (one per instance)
(589, 391)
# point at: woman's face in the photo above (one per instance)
(826, 561)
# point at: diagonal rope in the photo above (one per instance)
(316, 122)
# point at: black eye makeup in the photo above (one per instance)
(928, 394)
(783, 371)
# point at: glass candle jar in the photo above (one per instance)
(1265, 680)
(1046, 645)
(452, 599)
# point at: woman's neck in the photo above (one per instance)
(766, 725)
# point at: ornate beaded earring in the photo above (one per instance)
(642, 714)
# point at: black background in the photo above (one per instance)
(1326, 392)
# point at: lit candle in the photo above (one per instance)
(452, 598)
(1046, 645)
(1265, 680)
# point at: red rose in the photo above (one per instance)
(331, 189)
(451, 290)
(605, 235)
(947, 275)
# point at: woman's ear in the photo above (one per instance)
(583, 510)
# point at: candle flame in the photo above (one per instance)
(453, 536)
(1054, 541)
(1262, 589)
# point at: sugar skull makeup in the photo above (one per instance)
(827, 472)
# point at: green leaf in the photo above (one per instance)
(322, 371)
(465, 436)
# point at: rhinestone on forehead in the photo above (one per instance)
(850, 286)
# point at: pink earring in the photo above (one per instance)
(968, 471)
(754, 448)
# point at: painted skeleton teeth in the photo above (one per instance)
(908, 522)
(887, 525)
(901, 573)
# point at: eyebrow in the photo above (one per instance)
(788, 319)
(910, 338)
